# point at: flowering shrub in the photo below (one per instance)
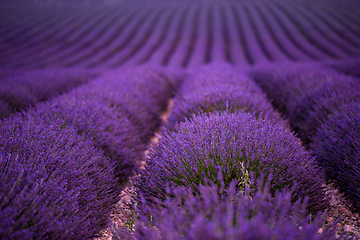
(337, 148)
(54, 184)
(114, 114)
(231, 144)
(108, 128)
(227, 214)
(143, 94)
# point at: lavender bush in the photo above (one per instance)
(233, 145)
(116, 112)
(144, 93)
(54, 184)
(227, 214)
(337, 146)
(108, 128)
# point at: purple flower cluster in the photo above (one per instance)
(218, 88)
(62, 162)
(143, 94)
(231, 145)
(229, 213)
(24, 89)
(337, 148)
(54, 183)
(306, 94)
(119, 112)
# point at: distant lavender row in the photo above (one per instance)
(19, 90)
(322, 106)
(306, 93)
(218, 88)
(174, 33)
(350, 66)
(228, 214)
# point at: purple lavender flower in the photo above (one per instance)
(231, 144)
(54, 183)
(116, 112)
(216, 213)
(337, 146)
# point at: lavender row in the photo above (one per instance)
(244, 33)
(336, 145)
(54, 183)
(233, 146)
(306, 93)
(228, 214)
(218, 88)
(119, 111)
(321, 105)
(19, 90)
(222, 144)
(73, 154)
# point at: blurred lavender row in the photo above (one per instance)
(322, 107)
(22, 89)
(186, 34)
(218, 87)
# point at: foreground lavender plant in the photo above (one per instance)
(231, 214)
(337, 147)
(223, 143)
(54, 183)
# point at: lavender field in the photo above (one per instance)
(169, 119)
